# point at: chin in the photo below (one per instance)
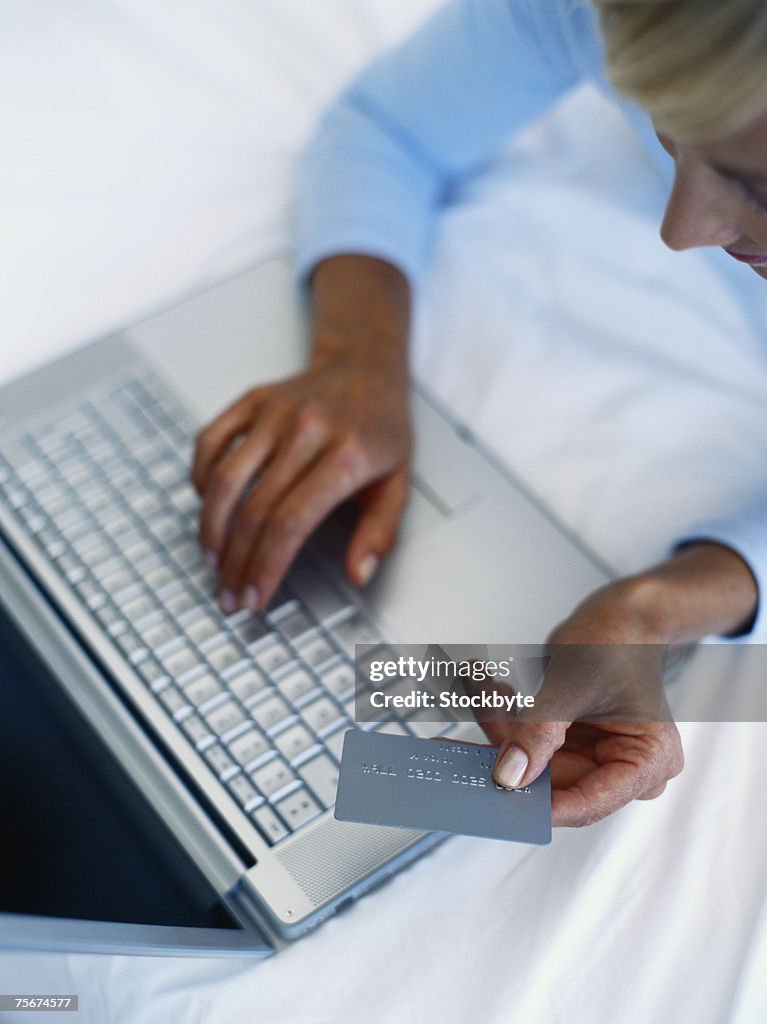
(761, 271)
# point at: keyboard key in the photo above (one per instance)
(202, 689)
(224, 656)
(247, 684)
(34, 520)
(339, 679)
(272, 656)
(185, 552)
(316, 651)
(139, 608)
(220, 761)
(204, 578)
(151, 671)
(269, 824)
(180, 660)
(250, 629)
(196, 729)
(156, 578)
(321, 714)
(243, 790)
(90, 591)
(296, 740)
(298, 808)
(271, 712)
(202, 628)
(321, 775)
(296, 684)
(249, 746)
(158, 633)
(273, 777)
(172, 699)
(185, 499)
(129, 643)
(16, 497)
(117, 581)
(294, 624)
(29, 472)
(225, 717)
(138, 551)
(180, 602)
(165, 527)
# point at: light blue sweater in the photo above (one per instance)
(425, 117)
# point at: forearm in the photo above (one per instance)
(360, 310)
(705, 589)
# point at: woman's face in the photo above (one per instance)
(720, 195)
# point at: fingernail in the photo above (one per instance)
(367, 569)
(510, 770)
(228, 601)
(250, 597)
(211, 559)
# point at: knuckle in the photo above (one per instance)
(288, 525)
(351, 458)
(592, 815)
(312, 422)
(223, 480)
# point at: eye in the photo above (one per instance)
(752, 198)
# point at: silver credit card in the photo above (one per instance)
(439, 786)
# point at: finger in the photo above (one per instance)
(290, 462)
(597, 795)
(376, 531)
(330, 481)
(631, 766)
(229, 480)
(216, 437)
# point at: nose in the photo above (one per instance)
(701, 210)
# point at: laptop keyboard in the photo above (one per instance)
(265, 699)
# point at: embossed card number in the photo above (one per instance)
(437, 786)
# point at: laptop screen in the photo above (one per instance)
(78, 840)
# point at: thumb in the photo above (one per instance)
(376, 530)
(526, 750)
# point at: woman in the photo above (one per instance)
(413, 126)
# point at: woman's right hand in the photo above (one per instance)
(274, 464)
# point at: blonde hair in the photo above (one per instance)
(699, 67)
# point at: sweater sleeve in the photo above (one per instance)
(424, 117)
(746, 534)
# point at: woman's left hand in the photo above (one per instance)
(600, 718)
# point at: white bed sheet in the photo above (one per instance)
(149, 150)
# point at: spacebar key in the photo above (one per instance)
(315, 591)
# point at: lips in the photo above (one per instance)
(755, 259)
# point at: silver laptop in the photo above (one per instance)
(227, 731)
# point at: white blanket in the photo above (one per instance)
(148, 150)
